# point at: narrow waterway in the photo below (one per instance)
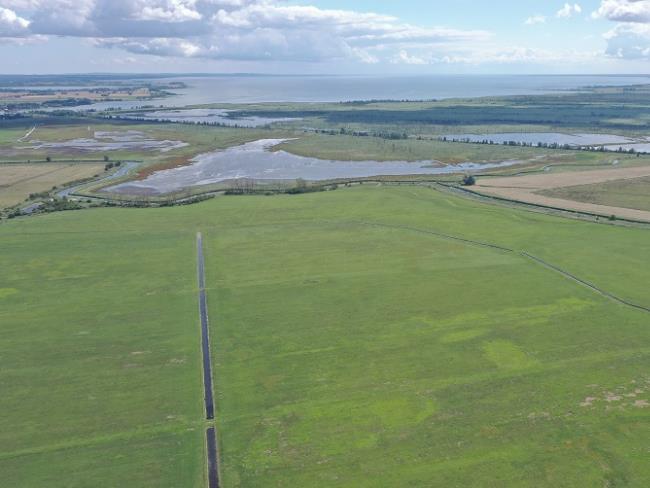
(210, 432)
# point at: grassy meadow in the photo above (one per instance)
(99, 355)
(354, 148)
(352, 346)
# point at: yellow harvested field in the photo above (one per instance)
(17, 181)
(525, 188)
(94, 95)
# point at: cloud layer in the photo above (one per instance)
(228, 29)
(11, 25)
(568, 10)
(625, 10)
(272, 30)
(630, 39)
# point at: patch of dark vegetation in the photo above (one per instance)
(249, 187)
(110, 166)
(187, 201)
(469, 180)
(619, 109)
(48, 206)
(545, 145)
(303, 187)
(42, 194)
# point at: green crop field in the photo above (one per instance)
(356, 342)
(631, 193)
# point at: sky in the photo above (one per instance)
(325, 36)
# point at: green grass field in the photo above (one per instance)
(350, 148)
(351, 347)
(99, 383)
(632, 193)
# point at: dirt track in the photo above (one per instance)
(524, 188)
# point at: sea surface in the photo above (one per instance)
(258, 89)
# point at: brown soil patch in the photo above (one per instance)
(170, 164)
(524, 188)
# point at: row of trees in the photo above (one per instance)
(389, 135)
(202, 123)
(544, 145)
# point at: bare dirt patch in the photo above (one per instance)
(170, 164)
(526, 188)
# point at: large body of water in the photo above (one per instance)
(258, 89)
(256, 161)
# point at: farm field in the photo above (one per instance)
(18, 181)
(353, 345)
(554, 190)
(630, 193)
(90, 94)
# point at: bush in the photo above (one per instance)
(469, 180)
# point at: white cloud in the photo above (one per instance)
(173, 11)
(568, 10)
(404, 58)
(522, 55)
(535, 19)
(11, 25)
(624, 10)
(629, 41)
(630, 38)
